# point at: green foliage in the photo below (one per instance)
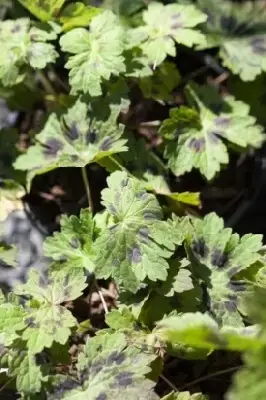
(73, 244)
(109, 368)
(217, 255)
(24, 45)
(239, 29)
(97, 53)
(195, 138)
(77, 138)
(165, 26)
(139, 277)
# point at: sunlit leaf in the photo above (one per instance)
(45, 10)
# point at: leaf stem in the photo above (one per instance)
(6, 384)
(101, 297)
(169, 383)
(46, 83)
(121, 167)
(209, 376)
(87, 188)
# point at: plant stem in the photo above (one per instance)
(209, 376)
(169, 383)
(101, 297)
(87, 187)
(121, 167)
(46, 83)
(6, 384)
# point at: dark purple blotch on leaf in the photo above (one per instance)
(124, 379)
(219, 258)
(200, 248)
(74, 243)
(115, 358)
(106, 144)
(16, 28)
(258, 45)
(135, 255)
(73, 133)
(230, 305)
(91, 137)
(229, 23)
(197, 145)
(144, 233)
(222, 122)
(124, 182)
(141, 195)
(149, 216)
(101, 396)
(52, 147)
(213, 137)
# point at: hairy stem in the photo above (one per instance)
(87, 188)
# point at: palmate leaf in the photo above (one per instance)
(97, 53)
(109, 369)
(239, 28)
(196, 138)
(217, 255)
(127, 250)
(45, 10)
(22, 45)
(73, 244)
(201, 331)
(76, 139)
(165, 26)
(46, 320)
(179, 278)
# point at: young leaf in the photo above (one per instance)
(73, 244)
(45, 10)
(97, 53)
(48, 321)
(166, 25)
(77, 14)
(108, 369)
(126, 250)
(76, 139)
(196, 140)
(217, 255)
(22, 45)
(239, 29)
(201, 331)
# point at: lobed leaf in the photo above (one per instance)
(217, 255)
(76, 139)
(73, 244)
(166, 25)
(196, 139)
(23, 45)
(109, 369)
(97, 53)
(126, 250)
(45, 10)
